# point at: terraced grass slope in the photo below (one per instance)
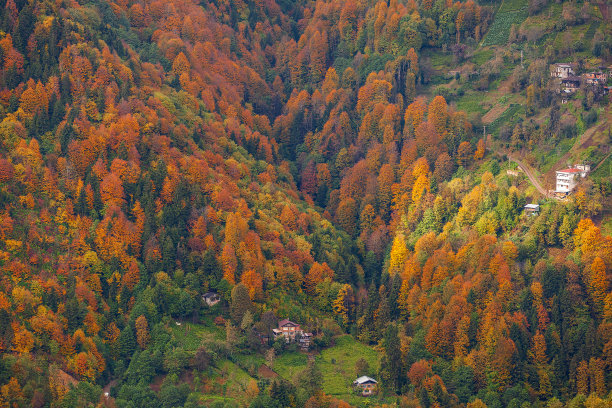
(510, 12)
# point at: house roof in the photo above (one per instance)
(364, 380)
(209, 294)
(287, 322)
(533, 206)
(569, 171)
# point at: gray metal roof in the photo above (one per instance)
(364, 379)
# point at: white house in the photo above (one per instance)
(568, 178)
(562, 71)
(366, 385)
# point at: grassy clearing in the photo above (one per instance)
(190, 335)
(506, 117)
(234, 374)
(588, 36)
(438, 59)
(481, 56)
(337, 364)
(250, 360)
(510, 12)
(289, 364)
(471, 102)
(575, 33)
(547, 159)
(230, 381)
(604, 170)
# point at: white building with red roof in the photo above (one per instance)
(567, 179)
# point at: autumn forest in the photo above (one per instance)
(311, 161)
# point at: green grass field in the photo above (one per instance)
(190, 335)
(546, 159)
(229, 383)
(510, 12)
(471, 102)
(438, 60)
(338, 364)
(289, 364)
(481, 56)
(506, 117)
(604, 170)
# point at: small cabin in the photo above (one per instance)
(532, 209)
(366, 385)
(211, 298)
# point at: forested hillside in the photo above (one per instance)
(339, 163)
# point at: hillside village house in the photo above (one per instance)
(562, 71)
(366, 385)
(570, 84)
(290, 331)
(567, 179)
(595, 78)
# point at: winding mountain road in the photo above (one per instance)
(532, 178)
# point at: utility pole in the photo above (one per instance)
(522, 59)
(484, 135)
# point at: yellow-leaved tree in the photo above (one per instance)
(398, 255)
(343, 304)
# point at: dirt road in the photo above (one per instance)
(534, 181)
